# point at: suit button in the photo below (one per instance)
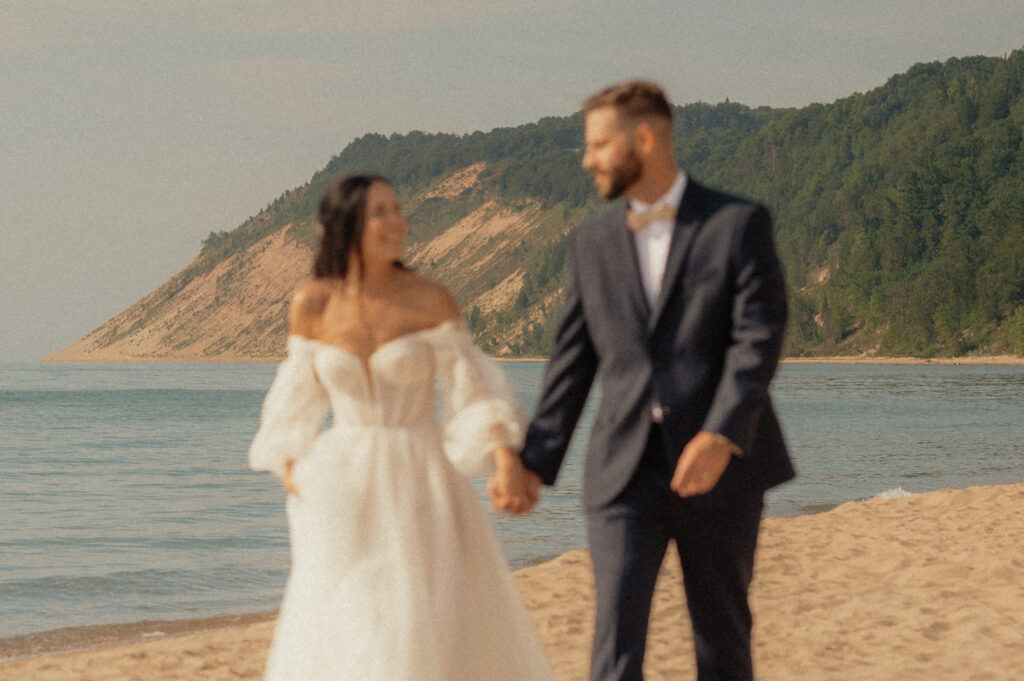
(657, 413)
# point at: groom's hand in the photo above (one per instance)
(701, 465)
(514, 489)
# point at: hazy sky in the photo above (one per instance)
(131, 129)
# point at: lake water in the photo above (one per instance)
(125, 493)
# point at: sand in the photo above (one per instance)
(909, 589)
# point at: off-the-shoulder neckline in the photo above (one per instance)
(451, 323)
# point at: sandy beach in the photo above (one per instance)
(914, 588)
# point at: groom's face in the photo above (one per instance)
(610, 155)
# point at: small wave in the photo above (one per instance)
(894, 493)
(79, 589)
(68, 639)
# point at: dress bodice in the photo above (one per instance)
(392, 387)
(398, 386)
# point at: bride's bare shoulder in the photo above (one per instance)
(432, 299)
(308, 302)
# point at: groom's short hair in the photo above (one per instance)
(633, 99)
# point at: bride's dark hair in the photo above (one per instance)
(342, 215)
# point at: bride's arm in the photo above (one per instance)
(293, 410)
(304, 314)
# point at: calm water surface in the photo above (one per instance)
(125, 494)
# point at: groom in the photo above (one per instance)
(675, 303)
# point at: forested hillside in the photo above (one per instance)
(900, 211)
(899, 216)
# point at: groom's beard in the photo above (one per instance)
(621, 177)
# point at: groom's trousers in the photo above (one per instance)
(628, 540)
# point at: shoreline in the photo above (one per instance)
(903, 589)
(985, 360)
(71, 640)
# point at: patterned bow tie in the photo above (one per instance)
(639, 220)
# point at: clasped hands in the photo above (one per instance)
(514, 488)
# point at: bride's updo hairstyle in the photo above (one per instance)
(342, 215)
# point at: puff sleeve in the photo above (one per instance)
(293, 411)
(480, 409)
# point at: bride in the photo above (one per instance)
(396, 574)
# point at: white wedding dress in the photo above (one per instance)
(396, 573)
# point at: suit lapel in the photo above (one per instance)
(687, 222)
(622, 242)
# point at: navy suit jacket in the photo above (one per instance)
(703, 356)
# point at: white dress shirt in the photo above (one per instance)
(652, 243)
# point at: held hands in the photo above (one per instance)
(701, 465)
(514, 488)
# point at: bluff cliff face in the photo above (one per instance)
(234, 306)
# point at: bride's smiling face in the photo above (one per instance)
(384, 226)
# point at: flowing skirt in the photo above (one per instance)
(396, 572)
